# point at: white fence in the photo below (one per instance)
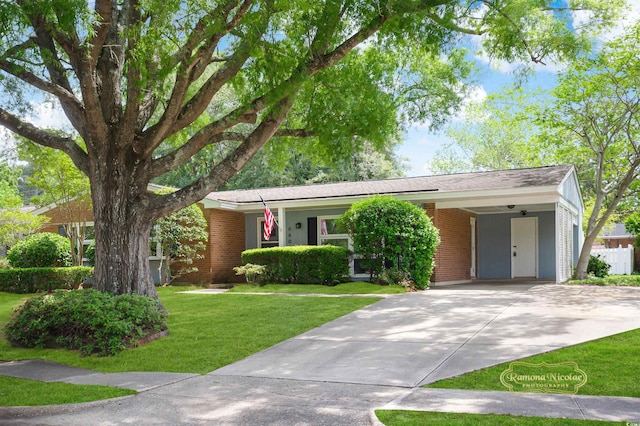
(620, 259)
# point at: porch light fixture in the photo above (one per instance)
(523, 212)
(298, 225)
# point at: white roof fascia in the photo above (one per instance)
(452, 199)
(566, 204)
(44, 209)
(573, 173)
(497, 201)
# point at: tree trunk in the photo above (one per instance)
(585, 253)
(122, 230)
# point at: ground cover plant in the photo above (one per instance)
(412, 418)
(611, 365)
(24, 392)
(358, 287)
(206, 332)
(611, 280)
(87, 320)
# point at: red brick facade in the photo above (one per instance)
(453, 256)
(225, 245)
(60, 215)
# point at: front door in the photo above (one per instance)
(524, 247)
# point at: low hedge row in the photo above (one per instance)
(301, 264)
(34, 280)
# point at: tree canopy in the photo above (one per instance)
(147, 85)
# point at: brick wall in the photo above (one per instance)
(453, 256)
(225, 246)
(60, 215)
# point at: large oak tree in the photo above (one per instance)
(132, 75)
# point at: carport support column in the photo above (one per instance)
(432, 212)
(282, 229)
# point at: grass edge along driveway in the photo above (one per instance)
(206, 332)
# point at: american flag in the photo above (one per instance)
(269, 221)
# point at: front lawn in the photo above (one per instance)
(29, 392)
(358, 287)
(206, 332)
(412, 418)
(621, 280)
(612, 366)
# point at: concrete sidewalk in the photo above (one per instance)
(373, 358)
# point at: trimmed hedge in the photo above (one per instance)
(90, 321)
(34, 280)
(301, 264)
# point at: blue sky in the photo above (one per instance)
(420, 144)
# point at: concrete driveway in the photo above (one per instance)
(336, 373)
(415, 339)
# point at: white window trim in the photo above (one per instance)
(260, 222)
(339, 237)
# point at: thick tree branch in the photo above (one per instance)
(211, 133)
(162, 205)
(177, 113)
(67, 99)
(295, 133)
(44, 138)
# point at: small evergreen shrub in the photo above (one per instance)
(391, 233)
(253, 273)
(598, 267)
(90, 321)
(41, 250)
(301, 264)
(35, 280)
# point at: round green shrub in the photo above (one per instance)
(40, 251)
(390, 233)
(90, 321)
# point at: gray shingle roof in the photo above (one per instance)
(477, 181)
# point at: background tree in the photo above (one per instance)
(595, 122)
(133, 75)
(496, 134)
(60, 182)
(390, 233)
(14, 222)
(632, 224)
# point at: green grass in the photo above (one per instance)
(206, 332)
(611, 365)
(414, 418)
(29, 392)
(358, 287)
(611, 280)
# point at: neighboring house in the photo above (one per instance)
(505, 224)
(617, 237)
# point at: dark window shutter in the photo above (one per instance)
(312, 231)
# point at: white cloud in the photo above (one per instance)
(48, 115)
(476, 95)
(629, 17)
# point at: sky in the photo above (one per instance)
(420, 144)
